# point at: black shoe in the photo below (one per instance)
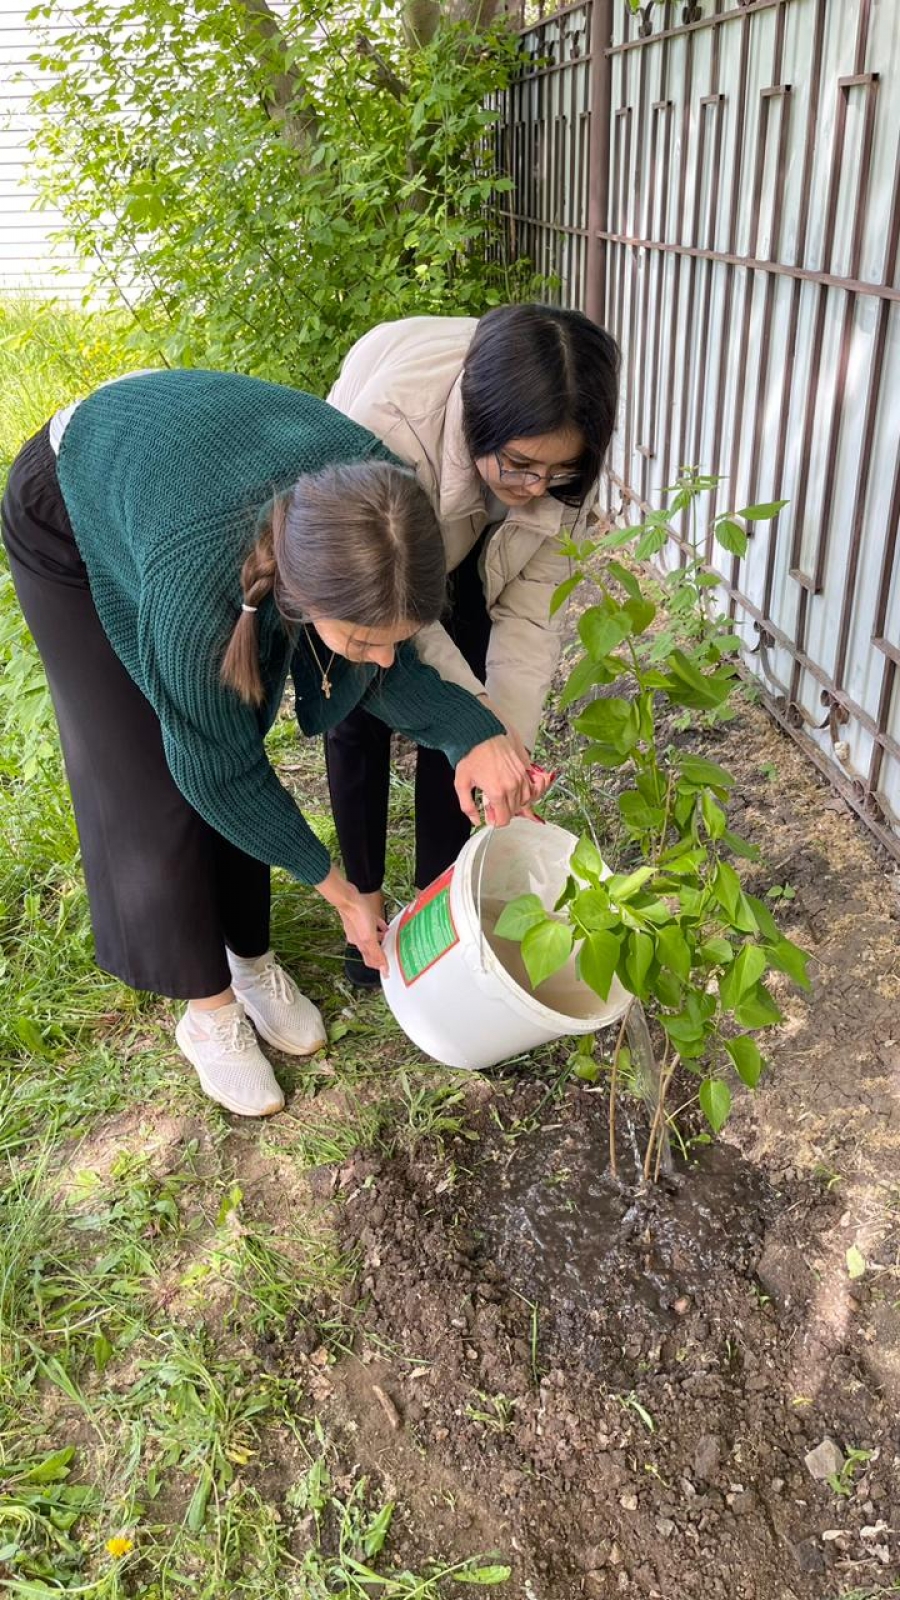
(356, 971)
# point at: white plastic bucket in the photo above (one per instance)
(460, 993)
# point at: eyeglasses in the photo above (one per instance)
(524, 477)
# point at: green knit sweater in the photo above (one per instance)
(164, 477)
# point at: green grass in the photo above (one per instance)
(149, 1248)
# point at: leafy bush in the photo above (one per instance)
(260, 195)
(675, 926)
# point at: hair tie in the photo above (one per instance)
(245, 607)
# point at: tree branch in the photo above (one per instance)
(385, 76)
(286, 98)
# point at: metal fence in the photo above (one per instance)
(720, 183)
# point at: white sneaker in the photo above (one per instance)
(279, 1012)
(222, 1048)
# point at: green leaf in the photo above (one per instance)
(788, 957)
(612, 721)
(757, 1009)
(519, 915)
(726, 887)
(731, 536)
(592, 911)
(563, 590)
(545, 949)
(715, 1102)
(641, 613)
(762, 513)
(740, 847)
(52, 1468)
(745, 918)
(639, 816)
(621, 887)
(639, 950)
(102, 1351)
(586, 675)
(667, 988)
(718, 952)
(651, 541)
(376, 1533)
(483, 1575)
(713, 816)
(673, 951)
(748, 1062)
(688, 1034)
(742, 976)
(597, 961)
(702, 772)
(766, 923)
(687, 686)
(856, 1262)
(601, 630)
(586, 860)
(196, 1512)
(626, 579)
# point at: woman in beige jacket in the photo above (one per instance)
(506, 421)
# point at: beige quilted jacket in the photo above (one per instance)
(402, 381)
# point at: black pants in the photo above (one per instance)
(167, 893)
(358, 757)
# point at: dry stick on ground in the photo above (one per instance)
(613, 1164)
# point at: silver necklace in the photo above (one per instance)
(326, 681)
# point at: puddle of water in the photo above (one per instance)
(569, 1237)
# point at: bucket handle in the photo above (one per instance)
(482, 858)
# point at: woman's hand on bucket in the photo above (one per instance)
(362, 925)
(496, 768)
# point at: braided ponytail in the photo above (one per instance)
(240, 664)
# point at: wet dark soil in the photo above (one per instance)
(605, 1380)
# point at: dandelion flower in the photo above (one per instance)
(119, 1547)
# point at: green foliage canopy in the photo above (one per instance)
(260, 191)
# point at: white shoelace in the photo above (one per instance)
(235, 1036)
(274, 978)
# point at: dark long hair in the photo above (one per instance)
(356, 543)
(534, 369)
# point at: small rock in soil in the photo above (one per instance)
(824, 1461)
(707, 1456)
(808, 1556)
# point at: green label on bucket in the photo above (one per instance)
(426, 930)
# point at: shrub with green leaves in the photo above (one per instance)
(675, 926)
(262, 190)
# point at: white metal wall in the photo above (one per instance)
(28, 262)
(753, 278)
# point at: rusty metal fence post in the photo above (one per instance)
(598, 180)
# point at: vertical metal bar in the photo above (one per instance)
(598, 190)
(781, 435)
(679, 224)
(731, 246)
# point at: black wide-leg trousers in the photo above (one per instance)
(358, 758)
(167, 893)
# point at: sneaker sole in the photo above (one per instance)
(273, 1038)
(183, 1040)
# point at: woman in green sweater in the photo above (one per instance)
(180, 542)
